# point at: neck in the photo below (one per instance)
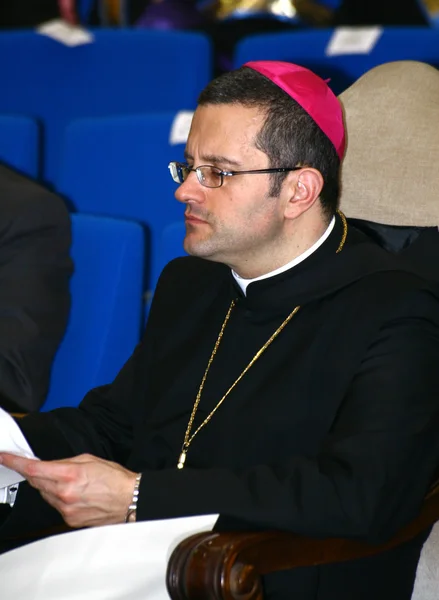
(298, 244)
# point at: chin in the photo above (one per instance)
(194, 246)
(201, 250)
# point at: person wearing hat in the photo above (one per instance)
(287, 376)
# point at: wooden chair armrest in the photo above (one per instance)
(229, 565)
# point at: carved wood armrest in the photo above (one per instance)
(229, 565)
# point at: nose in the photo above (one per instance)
(190, 190)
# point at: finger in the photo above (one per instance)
(31, 468)
(17, 463)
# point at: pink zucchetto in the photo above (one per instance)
(311, 92)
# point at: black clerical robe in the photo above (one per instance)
(333, 432)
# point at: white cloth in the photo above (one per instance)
(243, 283)
(11, 440)
(115, 562)
(427, 576)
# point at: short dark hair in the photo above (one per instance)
(289, 136)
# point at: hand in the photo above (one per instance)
(86, 490)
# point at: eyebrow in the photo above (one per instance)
(215, 159)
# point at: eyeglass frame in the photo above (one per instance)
(221, 173)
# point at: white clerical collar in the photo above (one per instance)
(243, 283)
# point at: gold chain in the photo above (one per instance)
(188, 438)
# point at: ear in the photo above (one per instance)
(303, 190)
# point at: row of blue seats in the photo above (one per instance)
(343, 60)
(120, 72)
(112, 166)
(131, 71)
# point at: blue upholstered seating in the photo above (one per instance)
(19, 143)
(121, 72)
(106, 314)
(119, 167)
(171, 242)
(309, 49)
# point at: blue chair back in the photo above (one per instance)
(309, 49)
(19, 143)
(171, 243)
(106, 314)
(121, 72)
(119, 167)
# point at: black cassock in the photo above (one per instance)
(333, 432)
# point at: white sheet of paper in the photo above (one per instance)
(11, 440)
(116, 562)
(353, 40)
(63, 32)
(180, 127)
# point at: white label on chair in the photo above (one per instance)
(180, 127)
(63, 32)
(353, 40)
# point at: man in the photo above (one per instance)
(35, 269)
(286, 378)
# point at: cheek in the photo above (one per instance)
(246, 205)
(253, 222)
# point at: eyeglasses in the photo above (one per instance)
(213, 177)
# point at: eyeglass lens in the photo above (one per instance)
(207, 175)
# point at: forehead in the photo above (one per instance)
(224, 129)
